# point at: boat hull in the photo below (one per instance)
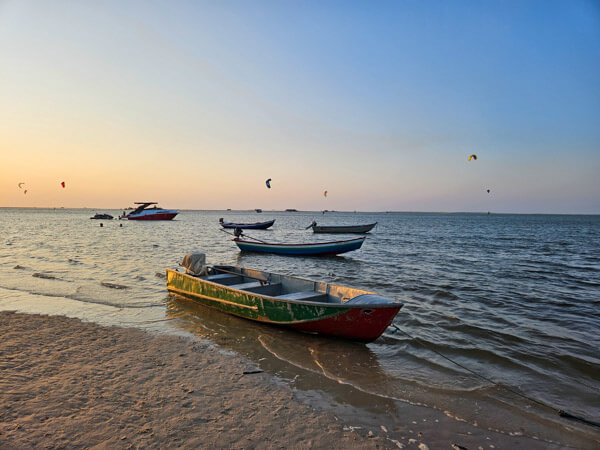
(343, 229)
(364, 322)
(249, 226)
(162, 215)
(313, 249)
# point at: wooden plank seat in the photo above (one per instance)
(245, 286)
(258, 288)
(225, 278)
(310, 296)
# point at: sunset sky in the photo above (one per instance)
(195, 104)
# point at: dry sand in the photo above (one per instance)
(65, 383)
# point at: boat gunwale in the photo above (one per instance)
(343, 305)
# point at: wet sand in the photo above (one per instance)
(67, 383)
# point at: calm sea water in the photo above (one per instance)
(514, 299)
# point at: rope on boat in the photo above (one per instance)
(560, 412)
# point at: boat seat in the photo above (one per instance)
(245, 286)
(224, 278)
(311, 296)
(257, 288)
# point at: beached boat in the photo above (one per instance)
(102, 216)
(309, 249)
(303, 305)
(342, 228)
(143, 212)
(247, 226)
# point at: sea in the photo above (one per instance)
(500, 327)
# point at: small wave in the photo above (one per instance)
(19, 267)
(160, 275)
(113, 285)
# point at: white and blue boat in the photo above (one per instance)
(310, 249)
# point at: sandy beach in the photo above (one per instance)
(65, 383)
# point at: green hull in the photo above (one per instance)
(248, 305)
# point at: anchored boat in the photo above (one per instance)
(102, 216)
(247, 226)
(303, 305)
(143, 212)
(309, 249)
(342, 228)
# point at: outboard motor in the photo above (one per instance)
(195, 264)
(237, 232)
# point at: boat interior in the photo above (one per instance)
(280, 286)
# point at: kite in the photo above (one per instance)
(488, 191)
(62, 183)
(25, 192)
(325, 193)
(268, 183)
(21, 184)
(472, 156)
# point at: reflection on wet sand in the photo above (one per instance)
(348, 379)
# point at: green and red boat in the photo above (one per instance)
(303, 305)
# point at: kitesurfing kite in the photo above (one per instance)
(488, 191)
(325, 193)
(472, 156)
(268, 183)
(21, 184)
(62, 183)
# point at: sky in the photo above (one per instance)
(194, 104)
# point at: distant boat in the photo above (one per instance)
(291, 210)
(247, 226)
(310, 249)
(143, 212)
(342, 228)
(258, 210)
(303, 305)
(102, 216)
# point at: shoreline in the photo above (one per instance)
(70, 383)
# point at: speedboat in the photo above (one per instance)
(102, 216)
(144, 212)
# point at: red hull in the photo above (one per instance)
(362, 324)
(160, 216)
